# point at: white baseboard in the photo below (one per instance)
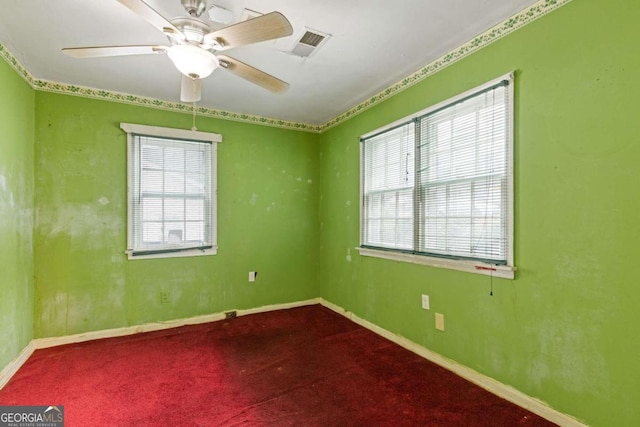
(502, 390)
(13, 366)
(9, 370)
(157, 326)
(499, 389)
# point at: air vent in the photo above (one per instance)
(309, 43)
(311, 39)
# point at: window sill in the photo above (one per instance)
(501, 271)
(178, 254)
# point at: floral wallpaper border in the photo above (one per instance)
(537, 10)
(169, 105)
(517, 21)
(87, 92)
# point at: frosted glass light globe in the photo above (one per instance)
(193, 61)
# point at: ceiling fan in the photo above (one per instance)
(193, 45)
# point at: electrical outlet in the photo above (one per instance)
(425, 302)
(252, 276)
(164, 297)
(440, 321)
(230, 314)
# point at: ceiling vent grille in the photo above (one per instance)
(312, 39)
(309, 43)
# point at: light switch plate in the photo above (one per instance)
(425, 302)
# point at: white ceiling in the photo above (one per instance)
(374, 44)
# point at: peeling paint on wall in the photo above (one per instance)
(17, 117)
(563, 330)
(81, 222)
(86, 224)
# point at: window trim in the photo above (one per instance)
(190, 135)
(471, 266)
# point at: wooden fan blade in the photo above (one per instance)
(253, 75)
(191, 89)
(266, 27)
(96, 52)
(152, 17)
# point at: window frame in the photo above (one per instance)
(134, 130)
(473, 266)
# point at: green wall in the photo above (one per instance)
(564, 330)
(16, 213)
(267, 221)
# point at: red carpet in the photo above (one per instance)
(301, 367)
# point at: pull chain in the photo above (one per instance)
(194, 128)
(491, 281)
(490, 270)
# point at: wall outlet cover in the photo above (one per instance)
(440, 321)
(164, 297)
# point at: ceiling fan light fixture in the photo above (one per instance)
(193, 61)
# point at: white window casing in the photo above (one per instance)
(171, 192)
(437, 186)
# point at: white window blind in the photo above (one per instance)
(388, 188)
(171, 195)
(457, 204)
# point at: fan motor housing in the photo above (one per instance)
(194, 29)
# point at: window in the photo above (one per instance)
(437, 186)
(171, 192)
